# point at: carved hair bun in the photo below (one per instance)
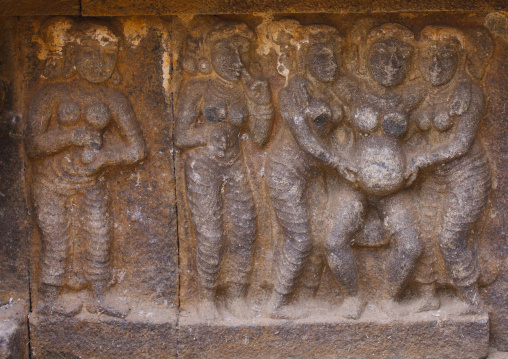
(390, 30)
(437, 33)
(225, 30)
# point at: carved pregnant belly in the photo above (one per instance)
(381, 166)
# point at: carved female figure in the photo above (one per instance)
(75, 130)
(379, 107)
(458, 169)
(304, 150)
(212, 112)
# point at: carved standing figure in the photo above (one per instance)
(379, 104)
(212, 112)
(76, 129)
(458, 178)
(311, 111)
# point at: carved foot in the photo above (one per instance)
(65, 305)
(109, 306)
(392, 308)
(278, 309)
(238, 307)
(426, 304)
(208, 311)
(352, 307)
(471, 301)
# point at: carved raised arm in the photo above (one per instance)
(260, 108)
(132, 146)
(463, 135)
(187, 135)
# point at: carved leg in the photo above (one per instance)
(53, 220)
(203, 179)
(287, 191)
(399, 220)
(241, 216)
(347, 215)
(96, 223)
(465, 200)
(311, 276)
(430, 209)
(317, 196)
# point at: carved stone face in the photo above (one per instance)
(227, 59)
(389, 60)
(96, 59)
(439, 61)
(322, 62)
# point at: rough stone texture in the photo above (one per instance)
(37, 7)
(148, 334)
(13, 210)
(149, 264)
(371, 261)
(136, 229)
(176, 7)
(412, 338)
(14, 330)
(495, 130)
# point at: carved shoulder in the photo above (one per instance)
(461, 97)
(47, 93)
(193, 89)
(118, 103)
(41, 106)
(477, 97)
(346, 88)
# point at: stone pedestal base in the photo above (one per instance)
(433, 335)
(144, 334)
(14, 331)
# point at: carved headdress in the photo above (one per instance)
(445, 33)
(291, 40)
(476, 48)
(61, 35)
(202, 38)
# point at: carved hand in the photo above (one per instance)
(346, 169)
(86, 137)
(257, 89)
(93, 160)
(217, 137)
(412, 171)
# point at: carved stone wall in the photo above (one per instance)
(242, 186)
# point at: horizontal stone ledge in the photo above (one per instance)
(179, 7)
(143, 334)
(212, 7)
(39, 7)
(465, 338)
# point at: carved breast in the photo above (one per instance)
(97, 116)
(68, 113)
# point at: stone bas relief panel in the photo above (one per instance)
(333, 173)
(101, 187)
(339, 183)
